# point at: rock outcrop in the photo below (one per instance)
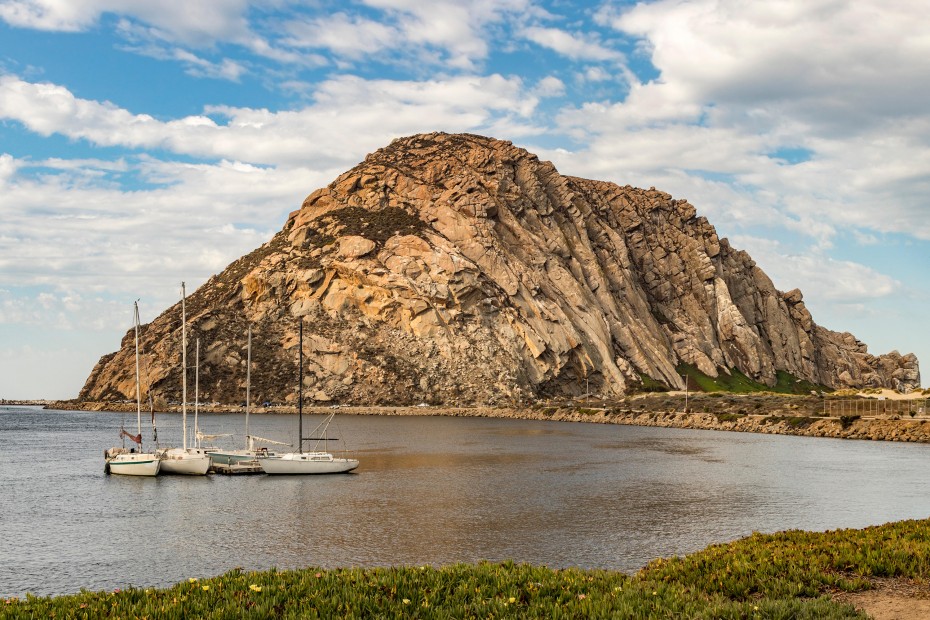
(460, 269)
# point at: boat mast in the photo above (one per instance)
(300, 392)
(135, 319)
(196, 393)
(248, 385)
(183, 368)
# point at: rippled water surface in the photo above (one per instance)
(429, 490)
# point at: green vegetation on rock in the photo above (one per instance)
(737, 382)
(377, 225)
(648, 384)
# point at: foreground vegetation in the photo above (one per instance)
(785, 575)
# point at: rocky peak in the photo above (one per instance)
(462, 269)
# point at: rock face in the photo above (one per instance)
(459, 269)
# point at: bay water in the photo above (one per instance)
(429, 490)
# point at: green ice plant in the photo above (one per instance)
(784, 575)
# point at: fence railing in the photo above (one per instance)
(904, 408)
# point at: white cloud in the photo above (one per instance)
(226, 69)
(61, 15)
(596, 74)
(550, 86)
(819, 276)
(372, 112)
(47, 108)
(8, 167)
(836, 64)
(570, 45)
(345, 35)
(454, 33)
(456, 27)
(198, 23)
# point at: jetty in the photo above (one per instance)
(242, 468)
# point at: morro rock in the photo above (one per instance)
(459, 269)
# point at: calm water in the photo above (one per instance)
(429, 491)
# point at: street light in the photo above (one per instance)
(685, 377)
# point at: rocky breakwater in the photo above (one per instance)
(875, 429)
(460, 269)
(780, 415)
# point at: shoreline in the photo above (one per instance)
(847, 573)
(779, 415)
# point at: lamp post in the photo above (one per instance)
(685, 377)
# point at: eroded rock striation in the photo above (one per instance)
(459, 269)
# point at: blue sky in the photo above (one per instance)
(145, 143)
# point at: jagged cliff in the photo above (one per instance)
(459, 269)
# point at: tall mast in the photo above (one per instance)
(183, 368)
(135, 320)
(248, 385)
(196, 393)
(300, 391)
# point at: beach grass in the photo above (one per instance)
(785, 575)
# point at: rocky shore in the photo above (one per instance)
(810, 416)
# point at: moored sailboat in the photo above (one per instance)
(250, 452)
(316, 461)
(132, 462)
(192, 461)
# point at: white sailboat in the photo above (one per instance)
(316, 461)
(187, 461)
(250, 452)
(119, 460)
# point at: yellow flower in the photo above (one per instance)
(192, 579)
(512, 600)
(205, 588)
(255, 588)
(406, 601)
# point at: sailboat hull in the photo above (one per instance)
(191, 462)
(307, 463)
(134, 464)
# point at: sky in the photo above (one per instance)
(145, 143)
